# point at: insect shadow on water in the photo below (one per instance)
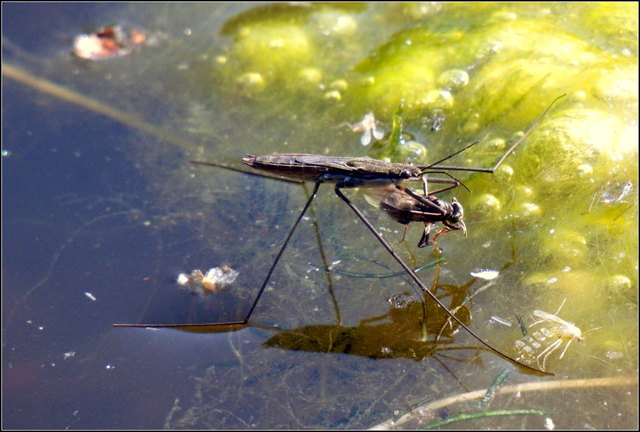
(392, 334)
(364, 172)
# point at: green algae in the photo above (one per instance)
(284, 78)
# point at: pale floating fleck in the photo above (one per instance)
(215, 279)
(486, 274)
(614, 355)
(90, 296)
(109, 367)
(566, 269)
(530, 209)
(6, 153)
(549, 424)
(40, 328)
(69, 355)
(182, 279)
(502, 321)
(334, 264)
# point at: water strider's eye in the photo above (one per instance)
(458, 211)
(405, 174)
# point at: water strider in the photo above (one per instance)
(365, 172)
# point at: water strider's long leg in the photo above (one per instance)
(323, 255)
(491, 170)
(426, 290)
(239, 324)
(281, 251)
(325, 262)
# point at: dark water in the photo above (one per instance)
(101, 214)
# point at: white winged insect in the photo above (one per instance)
(368, 126)
(563, 331)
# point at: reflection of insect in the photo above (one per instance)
(365, 172)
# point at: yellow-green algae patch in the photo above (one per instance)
(486, 72)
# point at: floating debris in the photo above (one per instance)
(616, 193)
(109, 42)
(486, 274)
(502, 321)
(549, 424)
(216, 279)
(434, 120)
(90, 296)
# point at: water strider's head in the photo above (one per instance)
(454, 218)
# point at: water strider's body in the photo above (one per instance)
(345, 172)
(382, 181)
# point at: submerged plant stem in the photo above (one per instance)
(92, 105)
(463, 417)
(423, 410)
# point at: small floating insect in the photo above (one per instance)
(564, 331)
(486, 274)
(368, 126)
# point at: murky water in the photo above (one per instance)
(102, 211)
